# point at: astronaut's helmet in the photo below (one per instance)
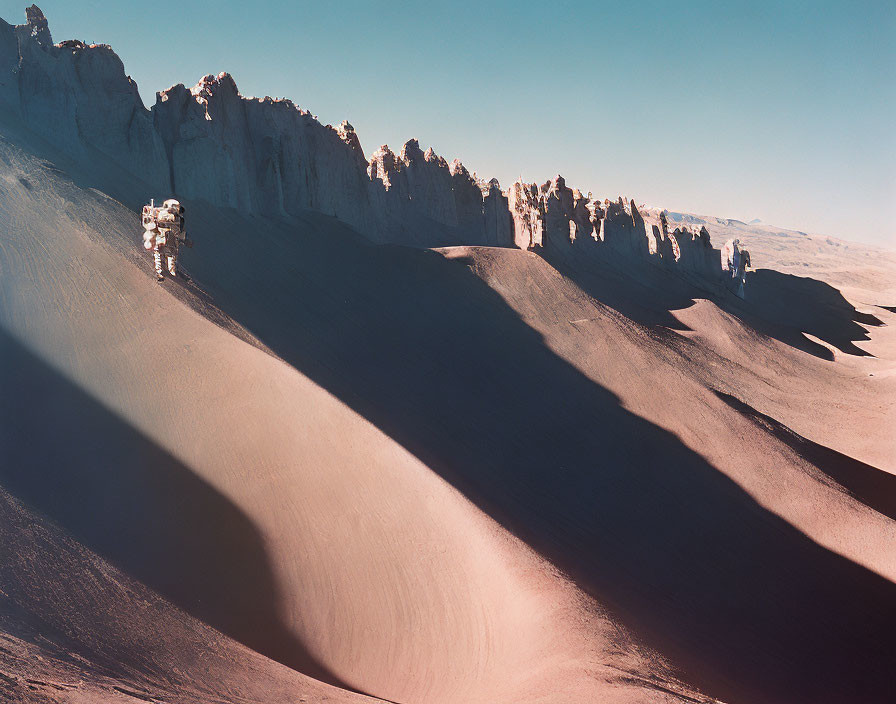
(172, 204)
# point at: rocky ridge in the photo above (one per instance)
(268, 156)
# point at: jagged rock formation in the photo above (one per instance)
(563, 221)
(416, 189)
(77, 97)
(265, 155)
(257, 155)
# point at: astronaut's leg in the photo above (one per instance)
(157, 259)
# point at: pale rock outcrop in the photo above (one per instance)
(77, 97)
(564, 222)
(697, 256)
(382, 165)
(258, 154)
(207, 142)
(498, 224)
(429, 183)
(559, 228)
(527, 212)
(267, 156)
(624, 229)
(667, 248)
(418, 192)
(390, 198)
(596, 215)
(468, 199)
(348, 135)
(583, 219)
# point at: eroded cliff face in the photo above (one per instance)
(265, 155)
(565, 223)
(76, 96)
(257, 155)
(418, 198)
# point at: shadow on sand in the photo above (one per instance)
(747, 607)
(120, 494)
(784, 306)
(872, 486)
(781, 306)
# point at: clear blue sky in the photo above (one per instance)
(778, 110)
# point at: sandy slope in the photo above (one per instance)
(75, 629)
(689, 381)
(643, 521)
(824, 278)
(341, 462)
(718, 377)
(243, 493)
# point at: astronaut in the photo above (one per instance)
(163, 233)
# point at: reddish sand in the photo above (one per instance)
(467, 475)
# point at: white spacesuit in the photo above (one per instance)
(163, 233)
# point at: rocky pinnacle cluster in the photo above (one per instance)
(268, 156)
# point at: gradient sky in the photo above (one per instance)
(782, 111)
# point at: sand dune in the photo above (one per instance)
(73, 628)
(461, 475)
(238, 490)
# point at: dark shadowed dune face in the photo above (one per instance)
(420, 346)
(793, 304)
(425, 345)
(115, 490)
(471, 474)
(781, 306)
(874, 487)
